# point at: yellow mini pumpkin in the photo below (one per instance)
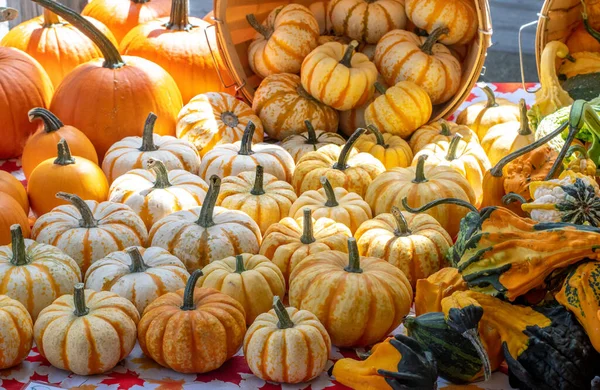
(337, 76)
(459, 16)
(390, 149)
(310, 141)
(16, 332)
(353, 119)
(441, 130)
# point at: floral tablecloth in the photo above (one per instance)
(138, 371)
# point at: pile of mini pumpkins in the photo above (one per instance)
(190, 244)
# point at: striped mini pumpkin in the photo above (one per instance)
(459, 16)
(401, 55)
(351, 120)
(215, 118)
(283, 40)
(16, 332)
(366, 20)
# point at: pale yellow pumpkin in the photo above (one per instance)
(87, 333)
(310, 141)
(441, 130)
(138, 274)
(505, 138)
(291, 240)
(262, 196)
(154, 193)
(467, 158)
(415, 243)
(35, 274)
(283, 40)
(134, 152)
(390, 149)
(337, 76)
(216, 118)
(459, 16)
(402, 55)
(344, 207)
(283, 105)
(252, 280)
(16, 332)
(366, 20)
(342, 166)
(400, 110)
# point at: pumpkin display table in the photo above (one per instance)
(138, 371)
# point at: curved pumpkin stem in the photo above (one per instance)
(246, 142)
(259, 179)
(380, 88)
(420, 170)
(378, 136)
(308, 236)
(445, 131)
(577, 149)
(329, 193)
(427, 46)
(19, 256)
(50, 19)
(489, 94)
(137, 260)
(513, 197)
(285, 322)
(353, 257)
(342, 161)
(64, 156)
(7, 14)
(524, 129)
(259, 27)
(437, 202)
(402, 229)
(161, 172)
(112, 57)
(188, 293)
(51, 121)
(453, 147)
(312, 135)
(239, 264)
(595, 34)
(347, 58)
(148, 134)
(179, 19)
(79, 301)
(208, 207)
(87, 216)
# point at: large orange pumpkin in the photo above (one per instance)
(13, 187)
(459, 16)
(11, 213)
(109, 97)
(42, 145)
(24, 85)
(56, 44)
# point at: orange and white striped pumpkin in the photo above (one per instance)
(366, 20)
(307, 345)
(216, 118)
(16, 332)
(283, 40)
(87, 333)
(154, 193)
(35, 274)
(319, 11)
(138, 274)
(233, 159)
(441, 130)
(400, 110)
(390, 149)
(459, 16)
(402, 55)
(134, 152)
(283, 105)
(344, 207)
(337, 76)
(88, 231)
(310, 141)
(201, 235)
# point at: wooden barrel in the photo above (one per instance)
(234, 35)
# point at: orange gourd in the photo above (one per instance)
(56, 44)
(16, 332)
(11, 214)
(66, 173)
(430, 292)
(24, 84)
(533, 166)
(10, 185)
(42, 145)
(581, 40)
(108, 98)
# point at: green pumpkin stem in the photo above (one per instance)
(79, 301)
(161, 172)
(380, 88)
(188, 293)
(179, 19)
(420, 170)
(19, 256)
(558, 164)
(148, 134)
(347, 58)
(137, 260)
(329, 193)
(64, 156)
(87, 216)
(230, 119)
(208, 207)
(312, 135)
(437, 202)
(577, 149)
(239, 264)
(524, 130)
(112, 57)
(445, 131)
(513, 197)
(378, 136)
(308, 236)
(285, 322)
(402, 229)
(595, 34)
(342, 161)
(259, 27)
(427, 46)
(51, 121)
(491, 97)
(50, 19)
(259, 181)
(453, 147)
(246, 142)
(353, 257)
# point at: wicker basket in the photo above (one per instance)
(234, 35)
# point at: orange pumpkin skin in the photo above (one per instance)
(581, 40)
(16, 332)
(440, 131)
(198, 339)
(459, 16)
(10, 185)
(533, 166)
(57, 45)
(122, 16)
(42, 145)
(11, 213)
(20, 72)
(430, 292)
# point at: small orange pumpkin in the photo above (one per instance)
(11, 214)
(10, 185)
